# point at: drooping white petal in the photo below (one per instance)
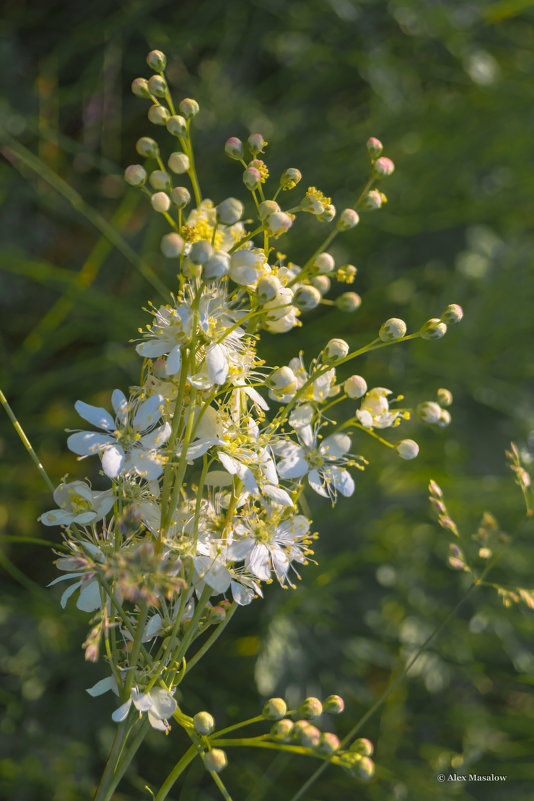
(258, 561)
(227, 462)
(113, 460)
(148, 413)
(95, 415)
(141, 701)
(277, 494)
(255, 396)
(217, 364)
(247, 477)
(153, 348)
(85, 443)
(120, 406)
(83, 518)
(89, 599)
(280, 562)
(365, 418)
(306, 435)
(121, 713)
(174, 360)
(343, 482)
(163, 704)
(316, 483)
(103, 503)
(242, 595)
(335, 446)
(156, 438)
(295, 467)
(200, 446)
(68, 592)
(301, 416)
(152, 628)
(56, 517)
(102, 686)
(268, 467)
(156, 722)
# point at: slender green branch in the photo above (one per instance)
(26, 442)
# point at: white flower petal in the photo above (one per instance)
(217, 364)
(335, 446)
(156, 722)
(68, 592)
(277, 494)
(89, 599)
(56, 517)
(255, 396)
(293, 467)
(141, 701)
(343, 482)
(259, 561)
(85, 443)
(227, 462)
(156, 438)
(95, 415)
(121, 713)
(113, 460)
(301, 416)
(153, 348)
(146, 464)
(148, 413)
(316, 483)
(174, 360)
(120, 406)
(102, 686)
(163, 704)
(280, 562)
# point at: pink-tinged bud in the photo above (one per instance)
(323, 263)
(189, 107)
(203, 723)
(310, 708)
(444, 396)
(328, 214)
(428, 411)
(178, 163)
(348, 219)
(392, 329)
(176, 125)
(140, 87)
(234, 148)
(274, 709)
(334, 704)
(156, 60)
(160, 202)
(256, 143)
(328, 743)
(147, 147)
(374, 147)
(348, 302)
(407, 449)
(172, 245)
(290, 178)
(433, 329)
(355, 387)
(159, 180)
(180, 196)
(372, 201)
(383, 167)
(215, 760)
(362, 746)
(282, 729)
(251, 178)
(135, 175)
(452, 314)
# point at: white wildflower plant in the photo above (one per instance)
(206, 463)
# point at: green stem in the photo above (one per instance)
(214, 636)
(175, 773)
(106, 786)
(26, 442)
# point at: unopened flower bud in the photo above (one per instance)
(157, 86)
(203, 723)
(229, 211)
(159, 180)
(140, 87)
(452, 314)
(362, 746)
(433, 329)
(160, 202)
(322, 283)
(147, 147)
(429, 412)
(355, 387)
(374, 147)
(234, 148)
(172, 245)
(334, 704)
(180, 196)
(200, 252)
(189, 107)
(158, 115)
(256, 143)
(156, 60)
(251, 178)
(178, 163)
(290, 178)
(392, 329)
(348, 219)
(215, 760)
(306, 297)
(310, 708)
(444, 396)
(278, 223)
(407, 449)
(274, 709)
(217, 265)
(348, 302)
(323, 263)
(282, 380)
(176, 125)
(383, 167)
(328, 743)
(135, 175)
(328, 214)
(266, 208)
(444, 418)
(282, 729)
(372, 201)
(310, 736)
(364, 769)
(335, 349)
(267, 288)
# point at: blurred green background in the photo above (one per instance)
(448, 87)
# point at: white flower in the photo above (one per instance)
(266, 546)
(323, 464)
(158, 703)
(129, 445)
(247, 265)
(78, 504)
(374, 409)
(170, 329)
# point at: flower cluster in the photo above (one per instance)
(207, 460)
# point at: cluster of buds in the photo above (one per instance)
(204, 478)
